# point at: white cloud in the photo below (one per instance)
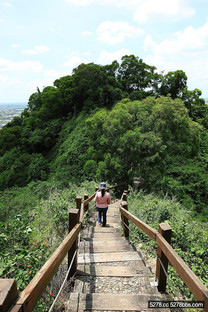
(74, 59)
(40, 83)
(108, 57)
(7, 4)
(184, 43)
(29, 66)
(117, 3)
(3, 78)
(188, 51)
(149, 10)
(41, 49)
(86, 33)
(116, 32)
(16, 45)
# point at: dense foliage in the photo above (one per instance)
(83, 128)
(156, 140)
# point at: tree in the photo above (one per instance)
(92, 87)
(135, 75)
(35, 101)
(65, 87)
(173, 83)
(51, 103)
(198, 109)
(9, 138)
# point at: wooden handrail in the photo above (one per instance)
(198, 289)
(32, 293)
(143, 226)
(85, 202)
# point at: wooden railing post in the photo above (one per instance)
(8, 293)
(78, 203)
(125, 220)
(165, 230)
(124, 196)
(73, 220)
(86, 207)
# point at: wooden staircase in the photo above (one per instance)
(111, 275)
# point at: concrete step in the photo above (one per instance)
(111, 302)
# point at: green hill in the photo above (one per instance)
(109, 123)
(112, 122)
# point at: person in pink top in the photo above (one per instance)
(102, 200)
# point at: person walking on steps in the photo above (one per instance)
(102, 200)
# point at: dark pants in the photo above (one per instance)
(102, 215)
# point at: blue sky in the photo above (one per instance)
(42, 40)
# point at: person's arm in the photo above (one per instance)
(95, 199)
(109, 199)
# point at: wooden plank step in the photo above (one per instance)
(8, 293)
(113, 271)
(120, 241)
(113, 221)
(113, 224)
(110, 302)
(114, 214)
(89, 247)
(99, 229)
(103, 239)
(105, 236)
(108, 257)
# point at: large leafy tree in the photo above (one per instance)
(51, 103)
(197, 108)
(173, 83)
(136, 77)
(35, 101)
(92, 87)
(65, 87)
(147, 139)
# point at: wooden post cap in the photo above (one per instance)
(8, 293)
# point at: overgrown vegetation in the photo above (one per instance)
(34, 220)
(112, 123)
(189, 236)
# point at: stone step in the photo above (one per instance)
(111, 302)
(108, 257)
(122, 285)
(119, 270)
